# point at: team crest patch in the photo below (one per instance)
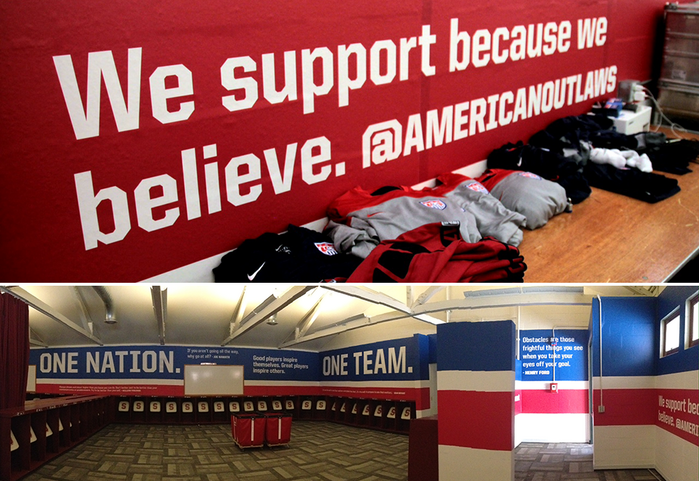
(326, 248)
(434, 204)
(478, 187)
(530, 175)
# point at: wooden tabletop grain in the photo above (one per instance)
(613, 238)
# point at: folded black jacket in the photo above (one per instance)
(648, 187)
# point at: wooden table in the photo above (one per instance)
(613, 238)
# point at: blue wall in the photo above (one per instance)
(685, 359)
(396, 360)
(488, 352)
(629, 336)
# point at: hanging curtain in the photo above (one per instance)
(14, 351)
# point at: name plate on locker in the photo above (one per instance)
(14, 445)
(306, 405)
(187, 407)
(155, 406)
(378, 412)
(49, 432)
(219, 407)
(391, 413)
(32, 435)
(277, 405)
(203, 406)
(320, 405)
(367, 410)
(139, 406)
(124, 406)
(234, 406)
(343, 408)
(171, 407)
(248, 406)
(354, 408)
(334, 406)
(261, 405)
(405, 414)
(289, 404)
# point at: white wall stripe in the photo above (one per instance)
(282, 383)
(675, 458)
(486, 381)
(114, 382)
(468, 464)
(552, 428)
(544, 385)
(680, 380)
(378, 384)
(624, 447)
(625, 382)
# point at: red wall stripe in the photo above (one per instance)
(677, 413)
(473, 419)
(625, 407)
(566, 401)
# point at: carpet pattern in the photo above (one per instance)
(560, 461)
(320, 451)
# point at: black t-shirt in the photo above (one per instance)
(298, 255)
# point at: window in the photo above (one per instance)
(693, 320)
(670, 334)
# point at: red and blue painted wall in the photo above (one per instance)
(645, 407)
(475, 382)
(394, 370)
(552, 394)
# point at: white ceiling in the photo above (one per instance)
(216, 314)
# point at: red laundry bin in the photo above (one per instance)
(248, 430)
(278, 429)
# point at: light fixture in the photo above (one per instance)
(272, 321)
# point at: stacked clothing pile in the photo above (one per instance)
(583, 151)
(465, 229)
(437, 253)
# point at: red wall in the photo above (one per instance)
(160, 223)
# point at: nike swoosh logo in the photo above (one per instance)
(254, 274)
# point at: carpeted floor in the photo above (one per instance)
(560, 461)
(318, 451)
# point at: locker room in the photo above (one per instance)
(347, 382)
(146, 142)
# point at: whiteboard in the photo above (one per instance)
(213, 380)
(31, 379)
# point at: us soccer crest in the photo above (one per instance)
(530, 175)
(434, 204)
(477, 187)
(326, 248)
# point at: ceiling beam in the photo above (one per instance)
(427, 295)
(306, 322)
(88, 325)
(159, 297)
(354, 322)
(511, 300)
(49, 311)
(381, 299)
(238, 312)
(35, 340)
(272, 305)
